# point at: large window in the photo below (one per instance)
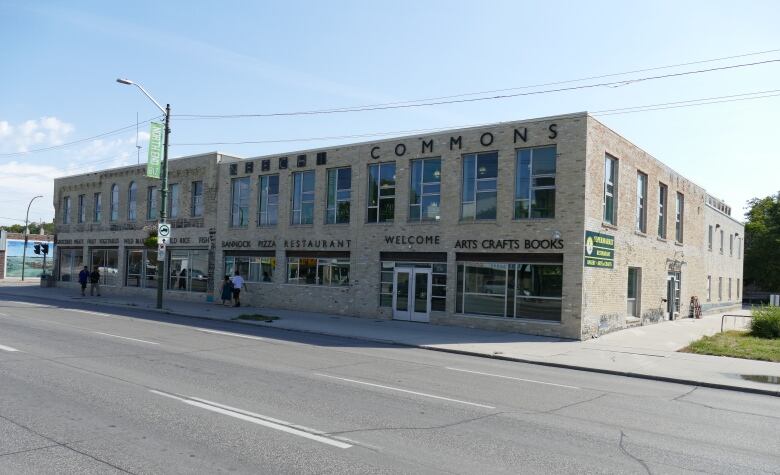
(721, 240)
(641, 202)
(66, 210)
(82, 217)
(610, 189)
(339, 195)
(141, 270)
(239, 214)
(679, 216)
(188, 270)
(97, 207)
(729, 289)
(151, 203)
(251, 268)
(425, 190)
(71, 263)
(709, 237)
(530, 291)
(318, 271)
(268, 200)
(381, 192)
(196, 205)
(535, 183)
(731, 244)
(663, 194)
(634, 282)
(107, 262)
(114, 202)
(438, 284)
(480, 182)
(720, 289)
(709, 288)
(173, 200)
(303, 198)
(132, 201)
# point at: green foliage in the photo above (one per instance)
(737, 344)
(151, 241)
(766, 322)
(762, 243)
(35, 228)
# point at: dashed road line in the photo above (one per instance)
(512, 378)
(126, 338)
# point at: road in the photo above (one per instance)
(111, 390)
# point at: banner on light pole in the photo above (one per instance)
(153, 165)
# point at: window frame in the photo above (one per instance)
(322, 265)
(174, 193)
(641, 202)
(679, 218)
(97, 207)
(152, 202)
(663, 208)
(66, 205)
(196, 199)
(494, 191)
(82, 210)
(423, 194)
(114, 203)
(610, 195)
(332, 208)
(299, 195)
(240, 191)
(264, 198)
(530, 198)
(132, 201)
(379, 197)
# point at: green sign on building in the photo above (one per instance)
(155, 150)
(599, 250)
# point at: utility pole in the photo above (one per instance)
(26, 223)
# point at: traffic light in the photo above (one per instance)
(37, 248)
(45, 248)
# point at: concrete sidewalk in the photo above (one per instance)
(645, 352)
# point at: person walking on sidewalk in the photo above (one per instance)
(83, 279)
(238, 284)
(227, 290)
(94, 282)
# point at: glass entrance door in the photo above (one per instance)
(412, 294)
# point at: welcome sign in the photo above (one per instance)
(599, 250)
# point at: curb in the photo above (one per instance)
(666, 379)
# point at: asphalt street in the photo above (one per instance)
(99, 390)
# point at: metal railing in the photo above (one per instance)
(723, 318)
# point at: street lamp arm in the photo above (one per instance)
(131, 83)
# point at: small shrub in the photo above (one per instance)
(766, 322)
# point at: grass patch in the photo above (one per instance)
(737, 344)
(256, 317)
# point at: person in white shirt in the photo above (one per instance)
(238, 284)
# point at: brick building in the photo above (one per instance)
(554, 226)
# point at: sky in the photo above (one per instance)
(60, 61)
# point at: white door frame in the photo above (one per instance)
(410, 314)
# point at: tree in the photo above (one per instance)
(762, 243)
(35, 228)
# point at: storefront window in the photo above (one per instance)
(251, 268)
(71, 263)
(425, 190)
(141, 270)
(107, 262)
(188, 270)
(318, 271)
(530, 291)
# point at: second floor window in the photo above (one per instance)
(641, 202)
(709, 238)
(132, 204)
(303, 198)
(425, 190)
(610, 189)
(239, 215)
(480, 182)
(678, 220)
(731, 244)
(151, 202)
(663, 193)
(196, 206)
(114, 205)
(381, 192)
(82, 208)
(339, 195)
(66, 210)
(721, 241)
(97, 207)
(268, 200)
(535, 183)
(173, 200)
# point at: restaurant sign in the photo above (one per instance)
(599, 250)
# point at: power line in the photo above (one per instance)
(623, 110)
(375, 107)
(75, 142)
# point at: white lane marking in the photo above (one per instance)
(407, 391)
(258, 419)
(126, 338)
(217, 332)
(512, 378)
(7, 348)
(88, 312)
(3, 315)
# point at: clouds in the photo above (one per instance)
(33, 133)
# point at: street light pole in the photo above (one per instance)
(163, 185)
(26, 223)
